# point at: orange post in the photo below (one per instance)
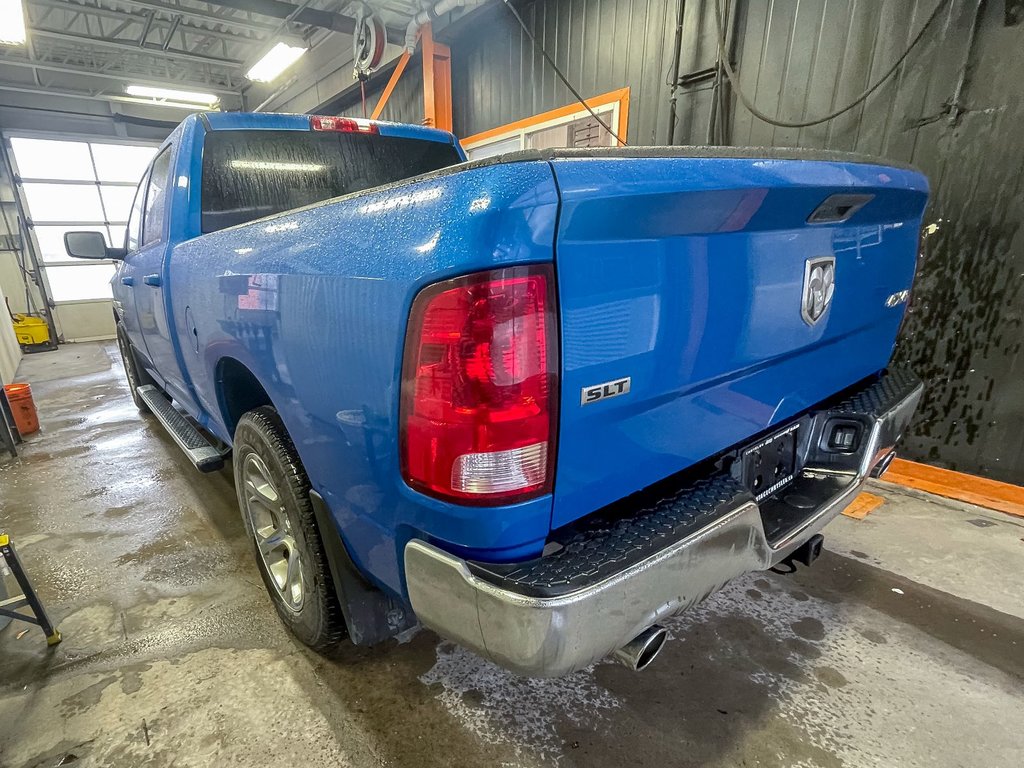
(390, 86)
(437, 81)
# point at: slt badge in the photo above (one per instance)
(819, 286)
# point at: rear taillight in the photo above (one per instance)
(480, 387)
(342, 124)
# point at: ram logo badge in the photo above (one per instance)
(597, 392)
(819, 285)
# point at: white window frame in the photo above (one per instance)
(111, 226)
(599, 104)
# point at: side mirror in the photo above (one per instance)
(90, 245)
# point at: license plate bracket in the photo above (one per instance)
(769, 465)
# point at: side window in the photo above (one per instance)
(135, 219)
(156, 198)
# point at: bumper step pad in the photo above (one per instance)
(611, 540)
(881, 396)
(623, 534)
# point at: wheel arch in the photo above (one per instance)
(370, 615)
(239, 391)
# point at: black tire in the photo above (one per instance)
(263, 446)
(136, 376)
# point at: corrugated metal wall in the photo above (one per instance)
(406, 102)
(795, 58)
(601, 45)
(967, 326)
(800, 58)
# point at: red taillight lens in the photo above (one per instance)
(342, 124)
(480, 387)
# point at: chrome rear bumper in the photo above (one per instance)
(543, 631)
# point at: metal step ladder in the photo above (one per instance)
(206, 456)
(9, 607)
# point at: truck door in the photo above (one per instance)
(150, 280)
(124, 280)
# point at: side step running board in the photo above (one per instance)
(200, 451)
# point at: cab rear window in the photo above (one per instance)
(251, 174)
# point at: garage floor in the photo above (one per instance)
(902, 646)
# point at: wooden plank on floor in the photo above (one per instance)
(981, 491)
(863, 505)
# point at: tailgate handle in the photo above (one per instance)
(837, 208)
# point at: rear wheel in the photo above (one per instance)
(273, 494)
(132, 371)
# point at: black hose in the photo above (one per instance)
(731, 74)
(558, 72)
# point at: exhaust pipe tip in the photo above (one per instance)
(882, 466)
(639, 652)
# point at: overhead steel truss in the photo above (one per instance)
(186, 44)
(189, 45)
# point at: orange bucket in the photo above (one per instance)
(24, 407)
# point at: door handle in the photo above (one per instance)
(153, 280)
(127, 281)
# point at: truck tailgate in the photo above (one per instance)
(686, 270)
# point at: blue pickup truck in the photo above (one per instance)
(537, 403)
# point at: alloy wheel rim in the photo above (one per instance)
(272, 530)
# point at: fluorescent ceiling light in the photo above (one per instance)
(274, 62)
(12, 23)
(168, 94)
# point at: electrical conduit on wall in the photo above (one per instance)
(431, 13)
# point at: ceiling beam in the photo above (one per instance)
(169, 35)
(207, 16)
(122, 77)
(275, 9)
(124, 45)
(140, 18)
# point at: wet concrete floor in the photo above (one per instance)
(903, 646)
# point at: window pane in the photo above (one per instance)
(118, 235)
(156, 197)
(582, 132)
(134, 230)
(500, 147)
(116, 162)
(588, 132)
(63, 202)
(250, 174)
(51, 240)
(117, 202)
(45, 159)
(85, 281)
(549, 138)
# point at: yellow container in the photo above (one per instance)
(31, 330)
